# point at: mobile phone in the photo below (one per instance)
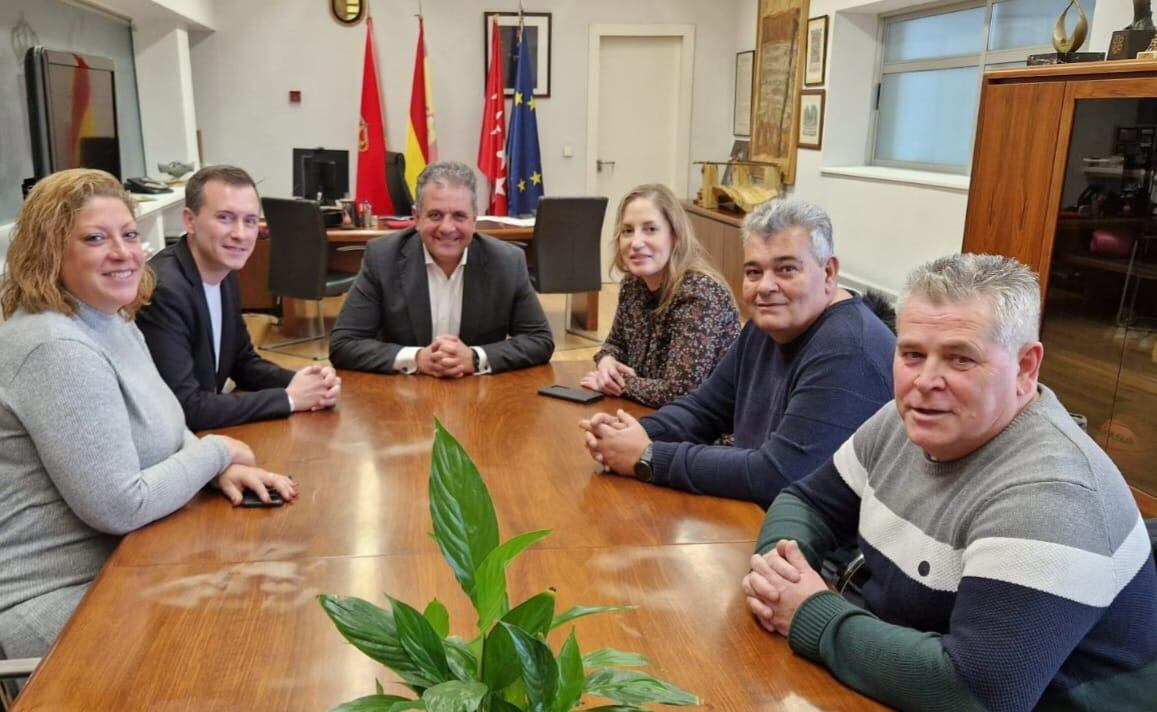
(249, 498)
(577, 395)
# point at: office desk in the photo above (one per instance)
(214, 607)
(344, 255)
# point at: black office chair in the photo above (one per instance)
(396, 183)
(565, 251)
(299, 259)
(564, 255)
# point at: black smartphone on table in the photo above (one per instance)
(249, 498)
(578, 395)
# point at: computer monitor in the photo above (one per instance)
(321, 174)
(72, 113)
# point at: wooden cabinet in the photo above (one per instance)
(1063, 180)
(718, 232)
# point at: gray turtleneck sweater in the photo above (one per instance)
(93, 445)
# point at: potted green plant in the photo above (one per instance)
(508, 665)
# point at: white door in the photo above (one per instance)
(640, 114)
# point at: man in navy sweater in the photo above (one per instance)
(812, 363)
(1010, 567)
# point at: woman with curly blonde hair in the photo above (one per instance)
(94, 443)
(676, 316)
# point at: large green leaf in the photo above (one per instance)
(463, 663)
(609, 657)
(499, 663)
(534, 614)
(497, 704)
(570, 675)
(580, 611)
(455, 696)
(465, 525)
(371, 630)
(378, 703)
(420, 642)
(631, 687)
(539, 671)
(438, 617)
(489, 593)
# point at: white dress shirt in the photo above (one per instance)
(445, 312)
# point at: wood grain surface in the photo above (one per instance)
(214, 608)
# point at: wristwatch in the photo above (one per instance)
(477, 360)
(643, 470)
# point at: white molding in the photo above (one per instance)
(922, 179)
(686, 33)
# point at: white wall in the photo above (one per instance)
(242, 74)
(884, 225)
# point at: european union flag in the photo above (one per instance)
(524, 182)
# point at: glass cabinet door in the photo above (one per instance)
(1100, 320)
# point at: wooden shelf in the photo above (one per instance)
(1114, 172)
(1100, 222)
(1114, 264)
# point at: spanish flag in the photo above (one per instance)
(421, 140)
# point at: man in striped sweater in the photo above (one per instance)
(1010, 567)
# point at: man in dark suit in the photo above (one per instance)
(439, 299)
(193, 324)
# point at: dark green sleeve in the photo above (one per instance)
(789, 517)
(902, 667)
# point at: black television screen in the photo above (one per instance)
(72, 111)
(321, 174)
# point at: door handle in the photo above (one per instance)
(599, 163)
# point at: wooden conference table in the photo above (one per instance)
(344, 255)
(213, 608)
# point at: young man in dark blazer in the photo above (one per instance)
(438, 298)
(193, 324)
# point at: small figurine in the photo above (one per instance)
(1142, 16)
(176, 169)
(1067, 44)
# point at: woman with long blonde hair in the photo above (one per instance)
(676, 316)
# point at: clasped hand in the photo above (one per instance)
(314, 388)
(615, 441)
(610, 377)
(778, 584)
(447, 356)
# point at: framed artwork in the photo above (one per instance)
(817, 51)
(537, 27)
(811, 121)
(741, 118)
(780, 34)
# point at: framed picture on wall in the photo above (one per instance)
(741, 118)
(817, 51)
(811, 118)
(537, 26)
(781, 30)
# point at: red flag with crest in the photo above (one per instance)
(492, 142)
(371, 184)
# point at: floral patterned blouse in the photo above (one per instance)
(673, 352)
